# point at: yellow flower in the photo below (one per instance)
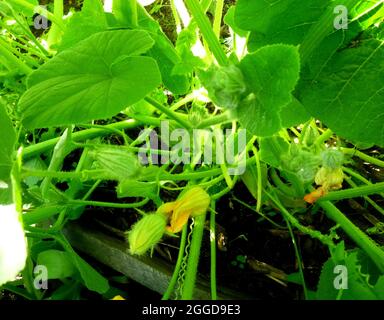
(330, 178)
(315, 195)
(118, 298)
(193, 202)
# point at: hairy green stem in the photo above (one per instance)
(363, 156)
(6, 51)
(171, 114)
(376, 188)
(193, 258)
(179, 261)
(108, 204)
(215, 120)
(298, 257)
(324, 137)
(208, 34)
(359, 177)
(54, 34)
(366, 198)
(175, 16)
(292, 220)
(134, 17)
(212, 230)
(217, 18)
(259, 179)
(36, 149)
(358, 236)
(91, 174)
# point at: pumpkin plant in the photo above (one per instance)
(291, 100)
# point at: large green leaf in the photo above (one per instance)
(293, 114)
(91, 19)
(7, 143)
(348, 95)
(271, 74)
(92, 279)
(163, 50)
(274, 21)
(57, 262)
(94, 79)
(360, 285)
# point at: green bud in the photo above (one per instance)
(146, 233)
(117, 163)
(197, 114)
(226, 86)
(303, 163)
(332, 158)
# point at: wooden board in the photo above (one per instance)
(153, 273)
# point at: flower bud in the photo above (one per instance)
(146, 233)
(332, 158)
(225, 85)
(117, 163)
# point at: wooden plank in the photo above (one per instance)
(153, 273)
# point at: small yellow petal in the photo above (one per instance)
(166, 209)
(179, 219)
(118, 298)
(196, 200)
(315, 195)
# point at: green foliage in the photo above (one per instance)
(92, 279)
(115, 163)
(362, 280)
(271, 74)
(95, 79)
(90, 20)
(58, 263)
(303, 90)
(347, 96)
(330, 78)
(8, 139)
(225, 85)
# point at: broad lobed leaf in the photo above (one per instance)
(95, 79)
(271, 74)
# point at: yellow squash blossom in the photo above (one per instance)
(328, 179)
(195, 201)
